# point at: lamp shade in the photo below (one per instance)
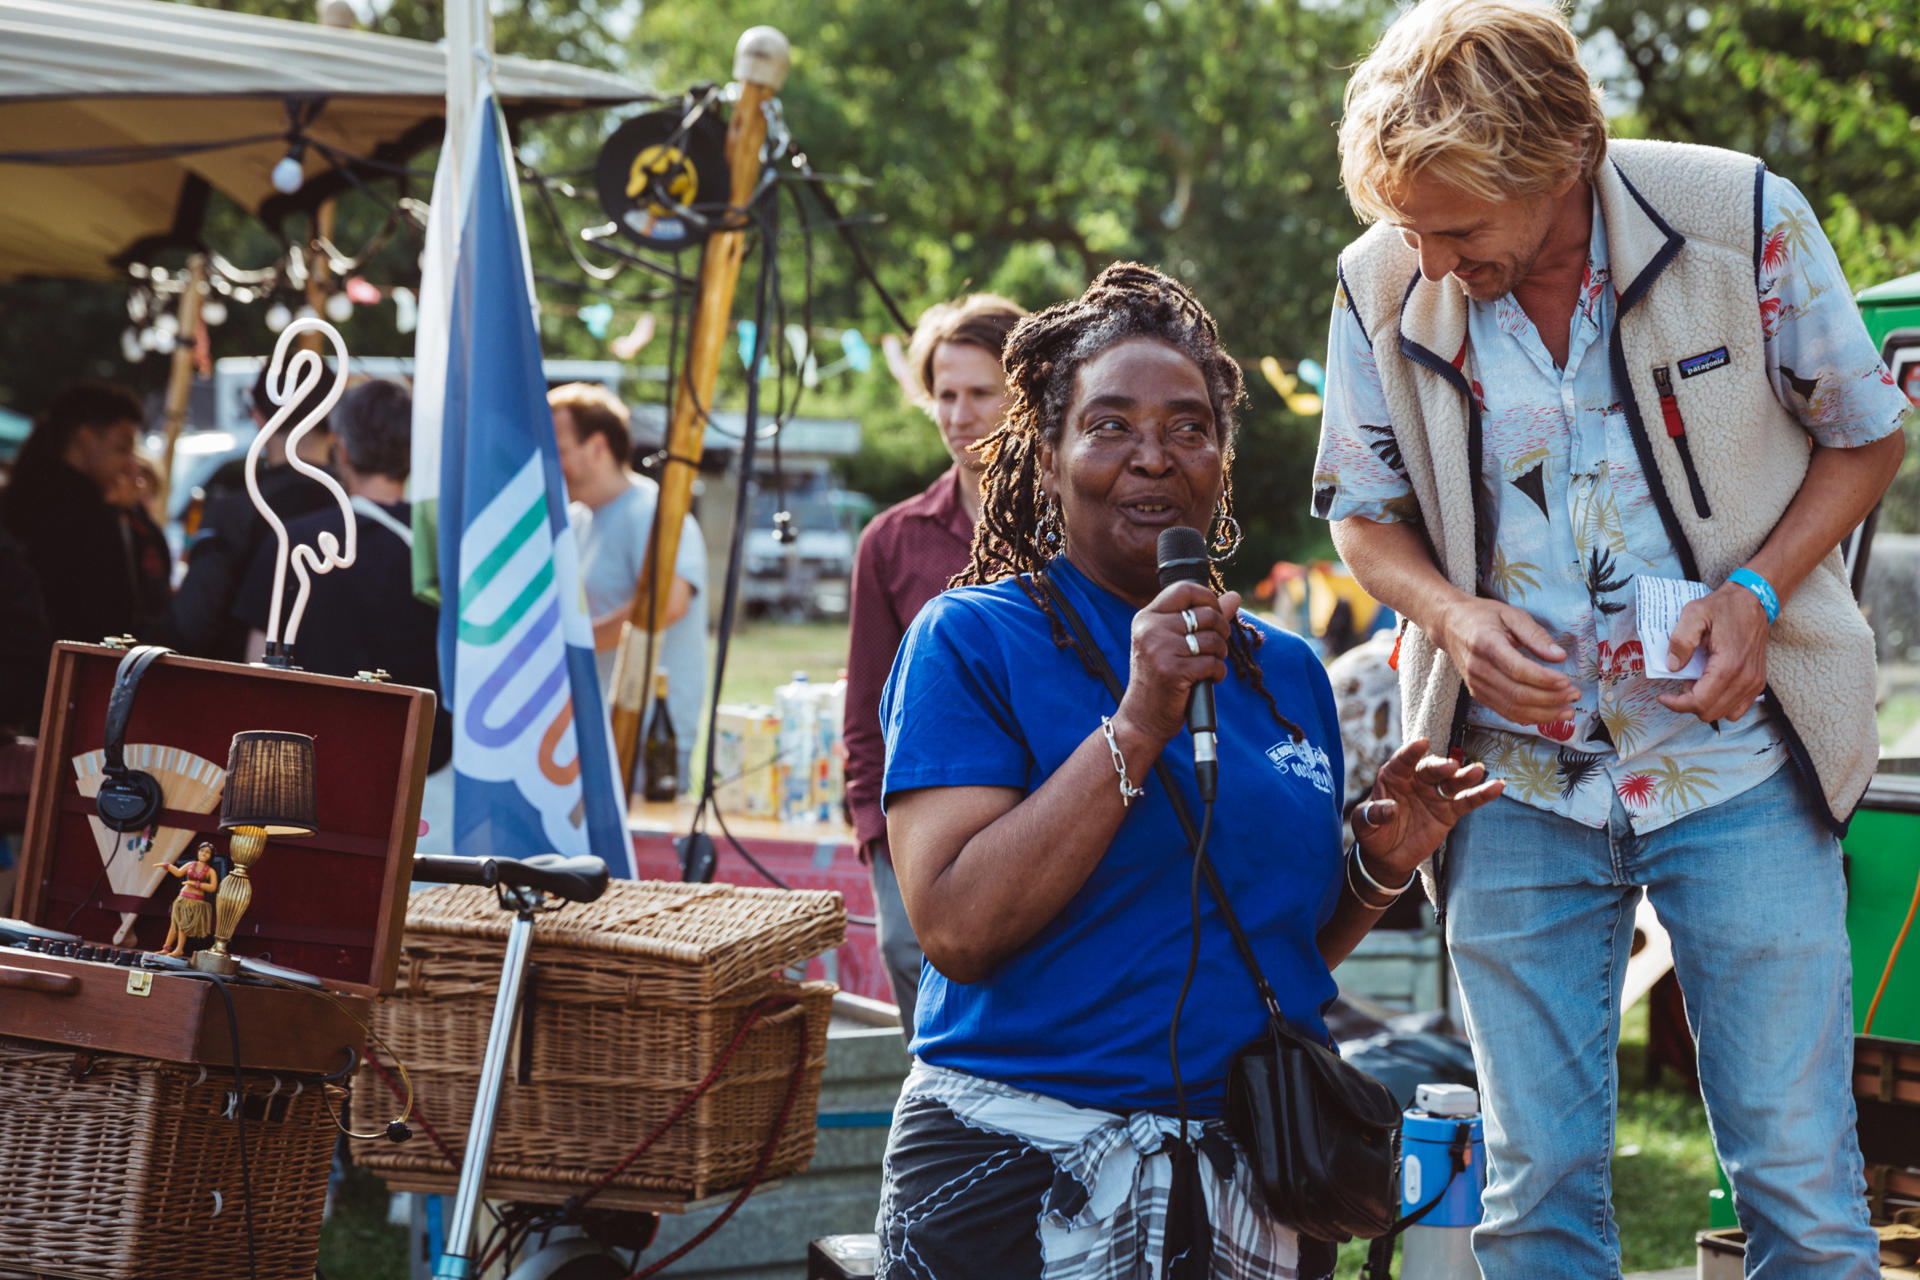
(270, 783)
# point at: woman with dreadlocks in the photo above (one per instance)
(1044, 869)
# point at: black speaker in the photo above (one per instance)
(129, 800)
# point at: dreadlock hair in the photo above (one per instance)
(1043, 359)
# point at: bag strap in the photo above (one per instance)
(1098, 661)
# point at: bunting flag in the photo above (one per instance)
(533, 754)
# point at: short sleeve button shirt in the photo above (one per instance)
(1574, 519)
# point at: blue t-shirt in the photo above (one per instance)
(981, 696)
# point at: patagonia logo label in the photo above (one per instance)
(1705, 362)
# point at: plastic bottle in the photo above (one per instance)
(834, 718)
(793, 703)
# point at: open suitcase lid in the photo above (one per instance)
(332, 904)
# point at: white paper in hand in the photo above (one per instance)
(1659, 602)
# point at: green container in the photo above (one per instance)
(1883, 866)
(1892, 314)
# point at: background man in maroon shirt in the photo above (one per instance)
(906, 556)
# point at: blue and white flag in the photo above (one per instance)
(533, 754)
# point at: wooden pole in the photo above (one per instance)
(180, 375)
(760, 63)
(319, 270)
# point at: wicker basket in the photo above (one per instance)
(122, 1168)
(633, 1000)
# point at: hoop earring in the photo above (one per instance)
(1225, 538)
(1048, 530)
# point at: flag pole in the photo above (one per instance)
(180, 375)
(760, 62)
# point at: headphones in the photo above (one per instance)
(129, 800)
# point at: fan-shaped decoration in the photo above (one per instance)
(189, 784)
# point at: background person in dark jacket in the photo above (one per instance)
(57, 506)
(364, 616)
(201, 620)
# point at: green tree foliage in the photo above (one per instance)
(1020, 145)
(1826, 91)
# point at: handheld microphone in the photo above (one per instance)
(1183, 558)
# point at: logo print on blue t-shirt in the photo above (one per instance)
(1302, 760)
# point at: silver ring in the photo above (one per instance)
(1193, 644)
(1193, 623)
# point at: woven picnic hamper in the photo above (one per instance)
(121, 1168)
(632, 1002)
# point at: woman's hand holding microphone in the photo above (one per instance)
(1179, 639)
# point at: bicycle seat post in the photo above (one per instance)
(457, 1262)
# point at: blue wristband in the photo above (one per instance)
(1760, 587)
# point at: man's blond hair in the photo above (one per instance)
(1486, 96)
(980, 320)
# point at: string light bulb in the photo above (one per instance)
(278, 317)
(339, 308)
(290, 172)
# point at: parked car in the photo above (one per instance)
(805, 570)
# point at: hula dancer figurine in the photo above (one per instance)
(192, 910)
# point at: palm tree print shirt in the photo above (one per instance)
(1574, 520)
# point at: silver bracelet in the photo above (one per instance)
(1375, 884)
(1128, 791)
(1359, 894)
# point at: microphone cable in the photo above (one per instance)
(1193, 966)
(239, 1107)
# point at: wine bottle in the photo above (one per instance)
(661, 754)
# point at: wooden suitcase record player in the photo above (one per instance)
(331, 905)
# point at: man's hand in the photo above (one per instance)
(1732, 623)
(1488, 641)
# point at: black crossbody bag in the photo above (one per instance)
(1316, 1130)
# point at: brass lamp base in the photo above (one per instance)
(245, 845)
(211, 961)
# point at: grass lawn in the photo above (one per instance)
(358, 1243)
(1662, 1165)
(765, 652)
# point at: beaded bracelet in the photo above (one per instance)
(1128, 792)
(1769, 598)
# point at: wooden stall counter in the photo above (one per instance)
(813, 855)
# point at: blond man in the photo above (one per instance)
(1563, 371)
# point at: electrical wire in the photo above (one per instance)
(1873, 1006)
(105, 865)
(1193, 966)
(399, 1063)
(239, 1106)
(730, 600)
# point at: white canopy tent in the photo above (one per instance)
(117, 117)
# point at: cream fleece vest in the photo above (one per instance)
(1683, 238)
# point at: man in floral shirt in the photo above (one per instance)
(1556, 283)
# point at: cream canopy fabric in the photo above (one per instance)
(92, 82)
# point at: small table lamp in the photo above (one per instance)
(269, 792)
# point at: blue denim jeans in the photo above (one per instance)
(1539, 925)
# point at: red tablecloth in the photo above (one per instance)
(818, 856)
